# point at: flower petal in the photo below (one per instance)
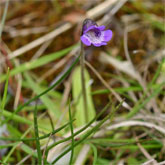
(97, 44)
(104, 43)
(89, 28)
(107, 35)
(85, 40)
(101, 27)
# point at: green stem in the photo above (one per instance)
(82, 63)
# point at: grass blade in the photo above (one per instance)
(71, 128)
(142, 102)
(80, 114)
(45, 99)
(37, 136)
(94, 152)
(2, 106)
(3, 18)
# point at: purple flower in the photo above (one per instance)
(94, 34)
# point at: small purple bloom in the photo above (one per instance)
(94, 34)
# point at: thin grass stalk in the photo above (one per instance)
(3, 18)
(2, 105)
(37, 136)
(94, 153)
(72, 133)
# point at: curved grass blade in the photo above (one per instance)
(94, 153)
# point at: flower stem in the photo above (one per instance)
(82, 63)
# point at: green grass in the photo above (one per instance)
(71, 129)
(2, 105)
(38, 146)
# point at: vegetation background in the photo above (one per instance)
(42, 113)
